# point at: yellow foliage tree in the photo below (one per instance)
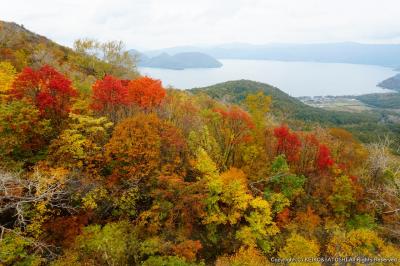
(229, 203)
(76, 146)
(7, 75)
(258, 105)
(244, 257)
(360, 243)
(260, 225)
(300, 248)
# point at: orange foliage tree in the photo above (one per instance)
(146, 92)
(187, 249)
(186, 201)
(133, 151)
(119, 98)
(144, 145)
(349, 151)
(232, 129)
(173, 148)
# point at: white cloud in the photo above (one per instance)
(147, 24)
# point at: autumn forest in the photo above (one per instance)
(100, 165)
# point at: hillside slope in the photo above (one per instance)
(22, 48)
(381, 100)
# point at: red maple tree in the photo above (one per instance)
(49, 90)
(288, 143)
(324, 158)
(109, 93)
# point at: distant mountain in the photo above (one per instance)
(392, 83)
(177, 61)
(354, 53)
(172, 50)
(139, 57)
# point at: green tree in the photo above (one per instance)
(342, 196)
(23, 134)
(289, 184)
(258, 105)
(111, 244)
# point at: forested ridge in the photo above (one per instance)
(102, 166)
(368, 127)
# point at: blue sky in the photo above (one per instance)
(150, 24)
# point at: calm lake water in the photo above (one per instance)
(295, 78)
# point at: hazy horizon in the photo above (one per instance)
(155, 24)
(258, 44)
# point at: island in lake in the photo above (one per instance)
(177, 61)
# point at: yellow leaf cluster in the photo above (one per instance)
(298, 247)
(7, 75)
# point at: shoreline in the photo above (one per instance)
(390, 90)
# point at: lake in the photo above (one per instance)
(294, 78)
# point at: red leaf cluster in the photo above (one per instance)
(306, 152)
(109, 92)
(288, 143)
(48, 89)
(324, 158)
